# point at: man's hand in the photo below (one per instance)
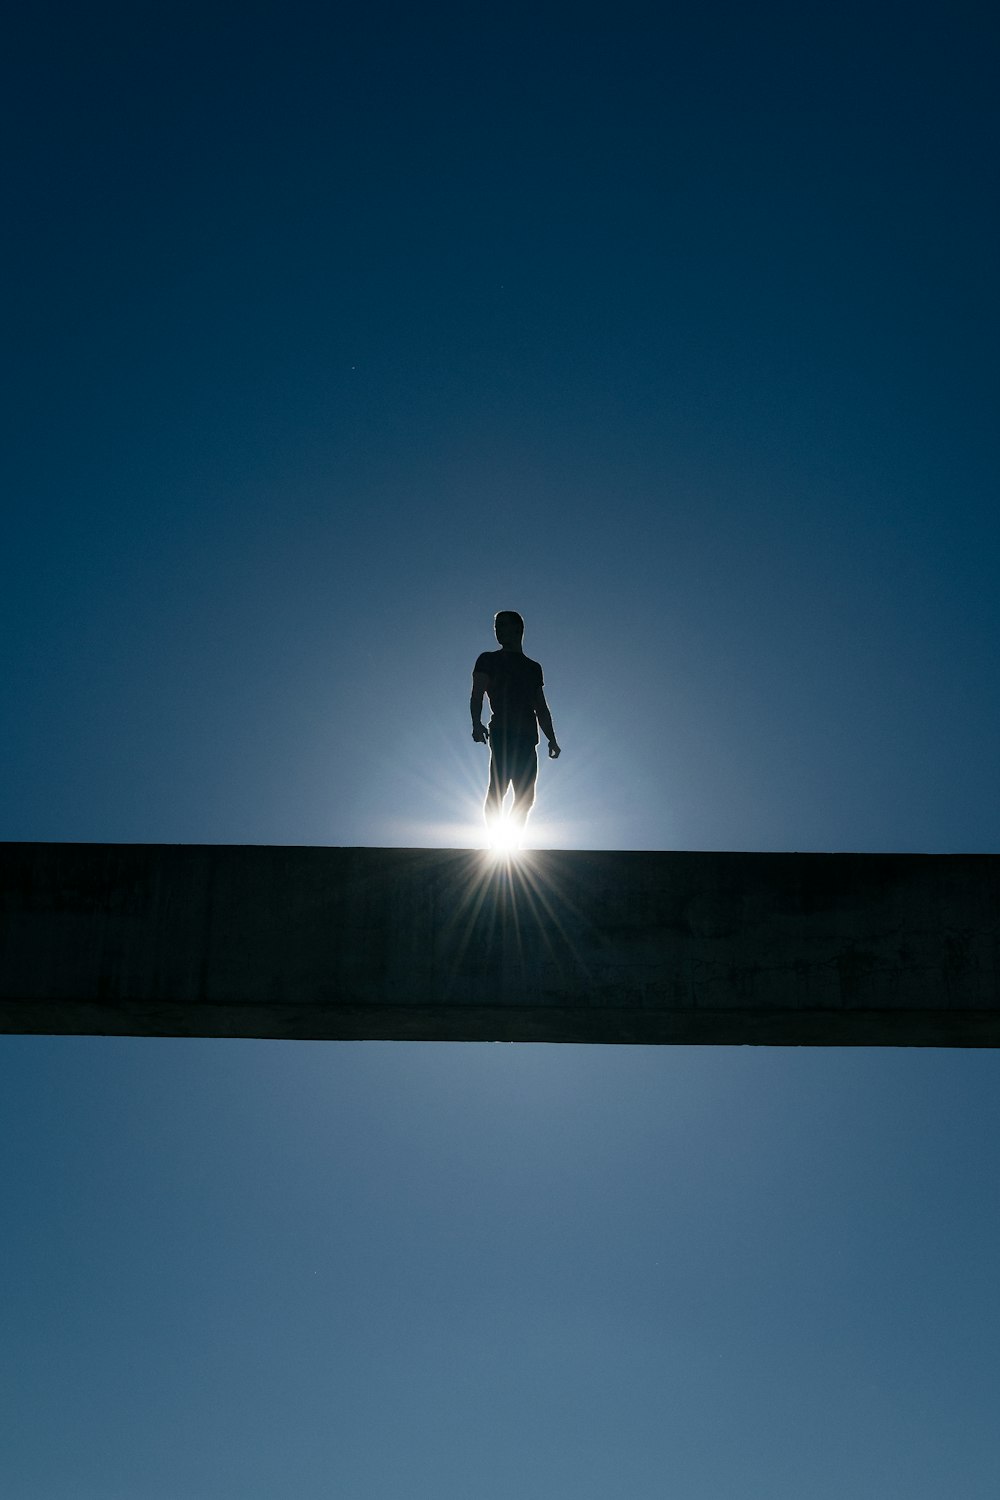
(480, 734)
(553, 750)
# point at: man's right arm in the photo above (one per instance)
(545, 720)
(480, 682)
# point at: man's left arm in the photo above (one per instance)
(480, 683)
(545, 721)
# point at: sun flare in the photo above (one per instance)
(505, 838)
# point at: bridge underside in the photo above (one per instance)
(558, 946)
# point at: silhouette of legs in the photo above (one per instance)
(512, 763)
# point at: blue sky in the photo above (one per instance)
(245, 1269)
(330, 333)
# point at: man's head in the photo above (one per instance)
(508, 627)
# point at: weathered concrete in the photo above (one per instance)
(202, 940)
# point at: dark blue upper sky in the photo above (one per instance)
(334, 333)
(332, 330)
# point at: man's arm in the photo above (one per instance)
(545, 720)
(480, 681)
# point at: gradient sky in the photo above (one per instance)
(331, 330)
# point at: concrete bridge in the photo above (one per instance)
(558, 946)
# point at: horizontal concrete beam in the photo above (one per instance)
(563, 946)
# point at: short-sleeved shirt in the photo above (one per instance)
(513, 681)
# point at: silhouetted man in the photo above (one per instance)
(513, 684)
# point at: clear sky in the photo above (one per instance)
(330, 331)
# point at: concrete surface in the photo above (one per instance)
(571, 946)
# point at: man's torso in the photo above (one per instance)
(513, 682)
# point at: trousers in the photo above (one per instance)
(513, 762)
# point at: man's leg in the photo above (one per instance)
(495, 792)
(524, 776)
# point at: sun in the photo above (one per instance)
(505, 838)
